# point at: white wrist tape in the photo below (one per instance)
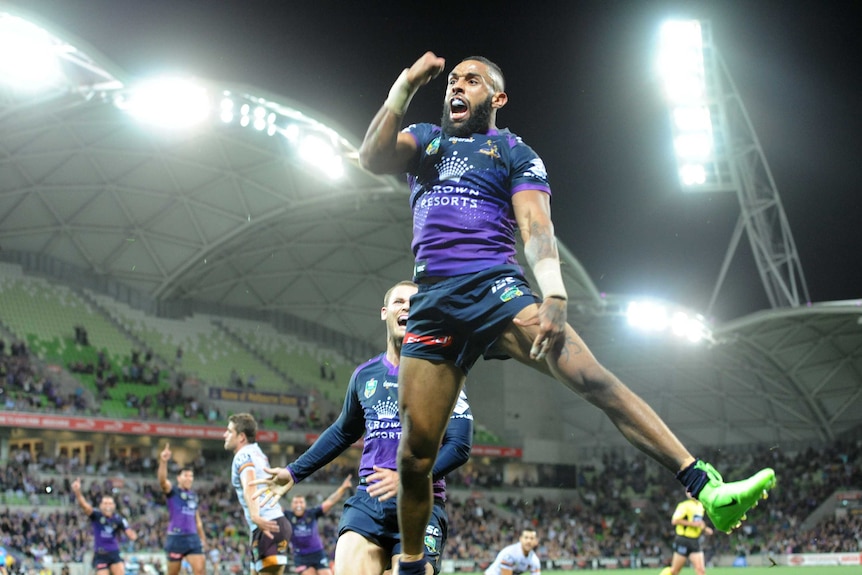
(400, 95)
(549, 278)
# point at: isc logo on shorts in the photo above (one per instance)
(502, 283)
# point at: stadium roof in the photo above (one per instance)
(782, 377)
(228, 213)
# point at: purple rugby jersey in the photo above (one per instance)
(182, 508)
(461, 195)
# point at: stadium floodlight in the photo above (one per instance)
(259, 118)
(692, 328)
(681, 61)
(319, 153)
(291, 132)
(28, 55)
(717, 150)
(693, 146)
(167, 102)
(655, 317)
(646, 315)
(681, 66)
(227, 110)
(692, 174)
(692, 119)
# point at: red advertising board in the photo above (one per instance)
(97, 425)
(482, 450)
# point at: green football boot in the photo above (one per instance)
(727, 503)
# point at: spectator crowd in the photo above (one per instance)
(621, 505)
(621, 508)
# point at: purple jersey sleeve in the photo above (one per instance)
(345, 431)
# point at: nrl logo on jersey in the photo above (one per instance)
(370, 387)
(433, 147)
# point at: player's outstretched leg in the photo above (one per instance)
(725, 503)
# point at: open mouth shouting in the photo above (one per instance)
(458, 109)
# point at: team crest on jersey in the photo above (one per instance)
(433, 147)
(370, 387)
(491, 150)
(430, 544)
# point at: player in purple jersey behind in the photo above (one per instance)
(186, 538)
(369, 542)
(473, 187)
(309, 555)
(108, 527)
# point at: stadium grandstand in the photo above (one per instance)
(154, 280)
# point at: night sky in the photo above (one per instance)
(582, 92)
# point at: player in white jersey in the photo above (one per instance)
(518, 558)
(270, 530)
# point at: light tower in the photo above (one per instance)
(717, 150)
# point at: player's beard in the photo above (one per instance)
(478, 123)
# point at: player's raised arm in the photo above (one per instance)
(385, 149)
(79, 497)
(162, 472)
(336, 496)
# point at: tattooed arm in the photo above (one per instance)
(533, 212)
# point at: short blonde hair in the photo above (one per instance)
(392, 289)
